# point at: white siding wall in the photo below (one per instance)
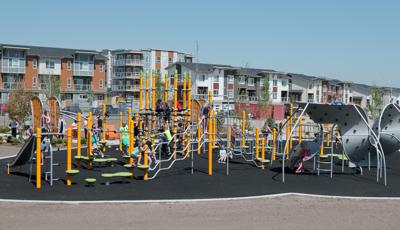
(44, 70)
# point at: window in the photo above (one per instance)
(50, 64)
(310, 86)
(69, 83)
(69, 65)
(14, 63)
(274, 95)
(101, 84)
(215, 92)
(250, 81)
(284, 83)
(34, 63)
(203, 77)
(230, 93)
(34, 81)
(68, 96)
(242, 80)
(231, 79)
(84, 66)
(158, 59)
(100, 97)
(169, 60)
(262, 82)
(275, 83)
(101, 67)
(216, 79)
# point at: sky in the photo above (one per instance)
(356, 41)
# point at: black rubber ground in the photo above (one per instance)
(178, 183)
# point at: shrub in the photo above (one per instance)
(4, 129)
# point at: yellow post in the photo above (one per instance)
(120, 134)
(78, 135)
(146, 163)
(166, 81)
(228, 146)
(262, 150)
(153, 102)
(300, 130)
(104, 121)
(184, 91)
(130, 144)
(215, 129)
(287, 144)
(89, 135)
(147, 92)
(328, 139)
(69, 155)
(243, 127)
(38, 159)
(198, 135)
(257, 143)
(274, 144)
(188, 108)
(140, 91)
(210, 144)
(175, 110)
(291, 127)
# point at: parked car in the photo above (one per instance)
(74, 109)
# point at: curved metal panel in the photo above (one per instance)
(387, 128)
(350, 120)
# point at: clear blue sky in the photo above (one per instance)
(349, 40)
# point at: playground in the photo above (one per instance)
(193, 152)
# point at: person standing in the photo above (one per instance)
(46, 121)
(61, 127)
(14, 126)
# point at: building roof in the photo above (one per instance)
(201, 67)
(54, 52)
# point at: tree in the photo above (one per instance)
(53, 87)
(19, 103)
(264, 93)
(375, 104)
(159, 88)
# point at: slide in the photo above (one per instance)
(26, 152)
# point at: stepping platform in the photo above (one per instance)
(128, 166)
(108, 176)
(143, 167)
(72, 172)
(90, 181)
(86, 158)
(263, 161)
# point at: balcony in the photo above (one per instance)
(11, 85)
(123, 88)
(132, 75)
(81, 87)
(248, 98)
(130, 62)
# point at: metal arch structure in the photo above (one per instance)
(358, 137)
(387, 128)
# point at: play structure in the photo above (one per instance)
(154, 138)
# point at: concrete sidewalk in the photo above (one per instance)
(292, 212)
(9, 150)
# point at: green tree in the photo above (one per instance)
(53, 87)
(19, 103)
(375, 104)
(159, 88)
(264, 93)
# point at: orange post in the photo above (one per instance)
(38, 159)
(243, 127)
(291, 127)
(166, 81)
(104, 121)
(229, 138)
(188, 109)
(78, 135)
(89, 135)
(120, 134)
(210, 144)
(257, 143)
(274, 144)
(287, 145)
(184, 91)
(147, 92)
(69, 155)
(263, 150)
(198, 135)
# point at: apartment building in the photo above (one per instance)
(205, 78)
(79, 73)
(124, 67)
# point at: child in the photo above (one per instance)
(136, 152)
(95, 144)
(125, 138)
(144, 149)
(222, 155)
